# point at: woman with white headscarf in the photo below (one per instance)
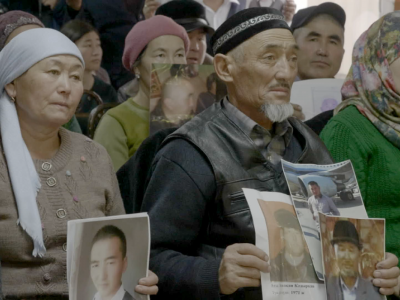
(48, 175)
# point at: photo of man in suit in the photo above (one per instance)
(293, 263)
(349, 284)
(108, 262)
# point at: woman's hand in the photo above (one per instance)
(148, 285)
(386, 275)
(298, 112)
(51, 3)
(150, 7)
(289, 9)
(75, 4)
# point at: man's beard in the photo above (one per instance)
(277, 112)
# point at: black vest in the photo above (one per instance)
(237, 164)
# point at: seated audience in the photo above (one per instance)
(200, 238)
(123, 128)
(48, 175)
(319, 33)
(19, 21)
(191, 16)
(87, 39)
(112, 20)
(366, 125)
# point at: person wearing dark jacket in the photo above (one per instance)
(112, 20)
(201, 223)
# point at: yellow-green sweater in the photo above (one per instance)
(122, 130)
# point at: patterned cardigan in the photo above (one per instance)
(78, 182)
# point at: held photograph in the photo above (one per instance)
(179, 92)
(351, 249)
(279, 235)
(329, 189)
(109, 257)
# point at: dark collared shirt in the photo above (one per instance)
(271, 143)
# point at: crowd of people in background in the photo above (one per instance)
(64, 63)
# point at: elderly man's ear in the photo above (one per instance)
(223, 65)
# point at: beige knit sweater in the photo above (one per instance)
(79, 182)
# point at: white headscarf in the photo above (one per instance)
(24, 51)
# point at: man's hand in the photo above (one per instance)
(75, 4)
(289, 9)
(148, 285)
(51, 3)
(386, 275)
(150, 7)
(240, 267)
(298, 112)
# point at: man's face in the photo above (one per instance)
(179, 98)
(294, 243)
(107, 266)
(265, 71)
(347, 255)
(198, 47)
(315, 190)
(321, 48)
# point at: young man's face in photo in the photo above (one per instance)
(315, 190)
(107, 266)
(347, 255)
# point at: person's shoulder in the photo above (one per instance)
(349, 118)
(186, 155)
(367, 288)
(105, 90)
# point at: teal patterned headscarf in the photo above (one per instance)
(369, 85)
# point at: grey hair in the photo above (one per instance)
(277, 112)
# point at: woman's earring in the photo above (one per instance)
(138, 76)
(13, 99)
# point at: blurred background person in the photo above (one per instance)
(15, 22)
(176, 105)
(86, 37)
(366, 125)
(191, 16)
(319, 33)
(123, 128)
(113, 20)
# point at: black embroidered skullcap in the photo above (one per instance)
(345, 231)
(245, 24)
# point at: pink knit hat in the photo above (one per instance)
(145, 31)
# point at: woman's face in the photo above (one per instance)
(395, 70)
(166, 49)
(91, 50)
(49, 92)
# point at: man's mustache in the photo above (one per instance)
(281, 85)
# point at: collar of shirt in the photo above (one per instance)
(216, 18)
(261, 136)
(346, 290)
(119, 295)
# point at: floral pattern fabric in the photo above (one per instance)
(369, 85)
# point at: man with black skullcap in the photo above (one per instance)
(203, 239)
(293, 263)
(349, 284)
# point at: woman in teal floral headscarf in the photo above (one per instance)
(366, 125)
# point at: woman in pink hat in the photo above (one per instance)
(123, 128)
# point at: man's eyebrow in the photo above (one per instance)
(111, 257)
(335, 37)
(277, 46)
(314, 34)
(94, 261)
